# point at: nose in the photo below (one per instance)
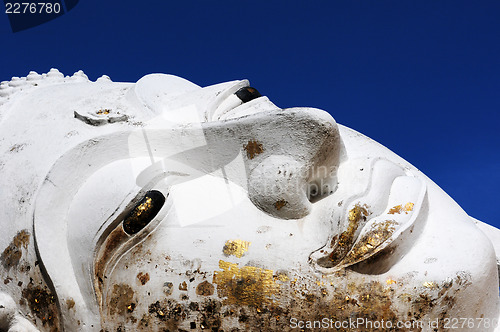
(289, 157)
(300, 152)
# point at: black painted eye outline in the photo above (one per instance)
(247, 93)
(144, 212)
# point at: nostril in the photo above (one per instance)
(276, 187)
(318, 190)
(313, 191)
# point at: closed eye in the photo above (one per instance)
(247, 93)
(145, 211)
(130, 228)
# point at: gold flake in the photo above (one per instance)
(103, 111)
(368, 244)
(281, 277)
(409, 207)
(429, 284)
(247, 285)
(395, 209)
(235, 248)
(399, 208)
(357, 217)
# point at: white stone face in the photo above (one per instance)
(163, 205)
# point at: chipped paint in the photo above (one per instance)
(236, 248)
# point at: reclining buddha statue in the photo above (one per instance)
(164, 206)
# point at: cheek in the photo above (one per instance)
(192, 263)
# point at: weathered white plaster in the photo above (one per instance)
(269, 214)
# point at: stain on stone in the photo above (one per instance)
(253, 148)
(13, 253)
(17, 148)
(70, 303)
(168, 313)
(205, 289)
(303, 298)
(122, 297)
(183, 286)
(280, 204)
(430, 260)
(168, 288)
(143, 278)
(112, 242)
(42, 304)
(131, 307)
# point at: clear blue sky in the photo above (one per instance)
(421, 77)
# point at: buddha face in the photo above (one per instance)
(230, 197)
(188, 208)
